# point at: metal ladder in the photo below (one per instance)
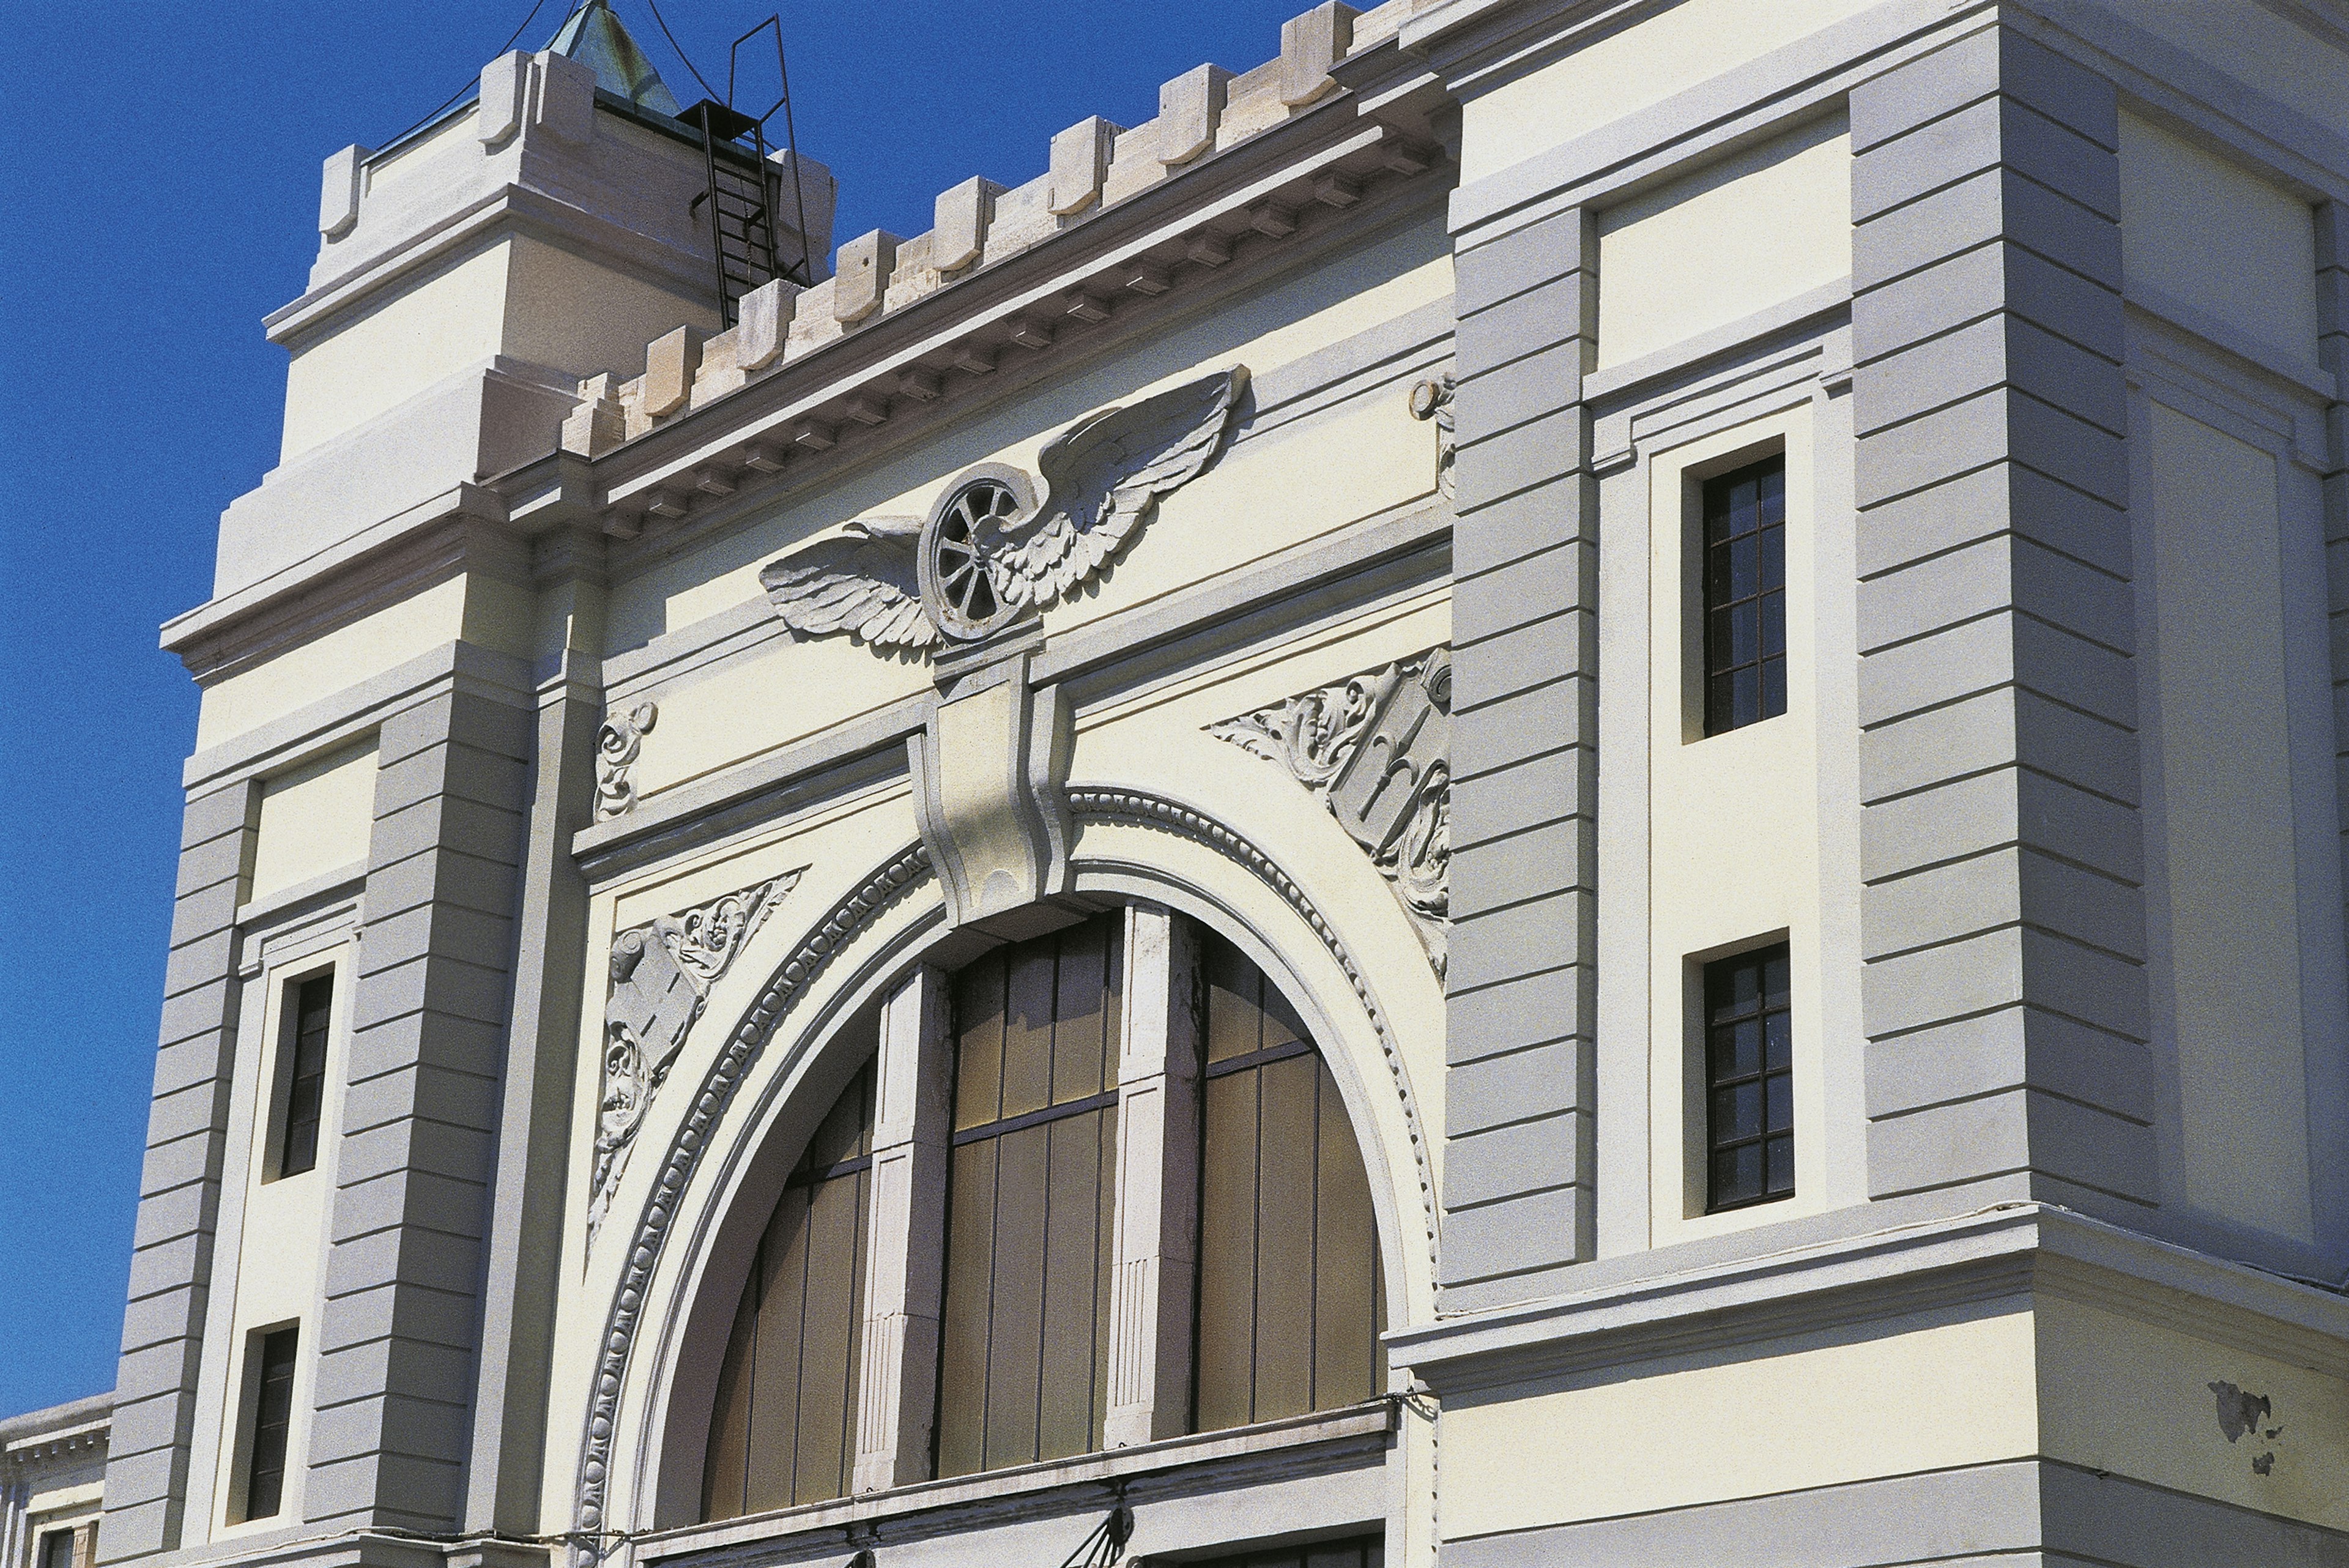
(744, 194)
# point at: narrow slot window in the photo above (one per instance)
(1749, 1080)
(308, 1021)
(1745, 597)
(271, 1422)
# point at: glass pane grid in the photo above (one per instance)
(1749, 1080)
(1290, 1295)
(784, 1428)
(1030, 1203)
(1745, 597)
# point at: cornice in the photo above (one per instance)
(1192, 238)
(2007, 1253)
(229, 635)
(508, 209)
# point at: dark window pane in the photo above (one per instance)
(1749, 1079)
(272, 1416)
(1745, 568)
(56, 1549)
(1744, 579)
(1745, 507)
(308, 1020)
(1737, 1113)
(1746, 707)
(1737, 1176)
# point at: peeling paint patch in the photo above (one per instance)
(2239, 1412)
(2242, 1411)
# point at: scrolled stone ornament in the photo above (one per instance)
(618, 744)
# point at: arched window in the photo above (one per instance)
(1292, 1303)
(1098, 1187)
(784, 1427)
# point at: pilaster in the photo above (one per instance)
(179, 1190)
(904, 1280)
(1157, 1182)
(526, 1199)
(2005, 995)
(1517, 1182)
(395, 1377)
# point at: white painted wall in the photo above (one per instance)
(1732, 829)
(2213, 235)
(2231, 994)
(1718, 245)
(1625, 69)
(315, 819)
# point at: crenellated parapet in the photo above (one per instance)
(1091, 167)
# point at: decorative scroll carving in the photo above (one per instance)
(1377, 749)
(1432, 399)
(616, 745)
(989, 554)
(808, 960)
(661, 974)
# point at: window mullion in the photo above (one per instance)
(1157, 1182)
(906, 1253)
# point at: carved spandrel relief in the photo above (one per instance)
(662, 972)
(618, 744)
(989, 554)
(1377, 749)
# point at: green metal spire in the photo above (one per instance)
(595, 37)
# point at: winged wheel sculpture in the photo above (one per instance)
(989, 553)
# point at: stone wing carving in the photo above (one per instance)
(1106, 473)
(988, 554)
(661, 974)
(863, 581)
(1377, 751)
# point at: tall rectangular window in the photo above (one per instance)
(308, 1016)
(1749, 1080)
(1031, 1199)
(1745, 597)
(269, 1423)
(56, 1549)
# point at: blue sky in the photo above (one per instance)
(158, 184)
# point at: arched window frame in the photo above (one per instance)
(1158, 1084)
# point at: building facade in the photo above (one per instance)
(1555, 785)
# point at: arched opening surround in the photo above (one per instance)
(660, 1446)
